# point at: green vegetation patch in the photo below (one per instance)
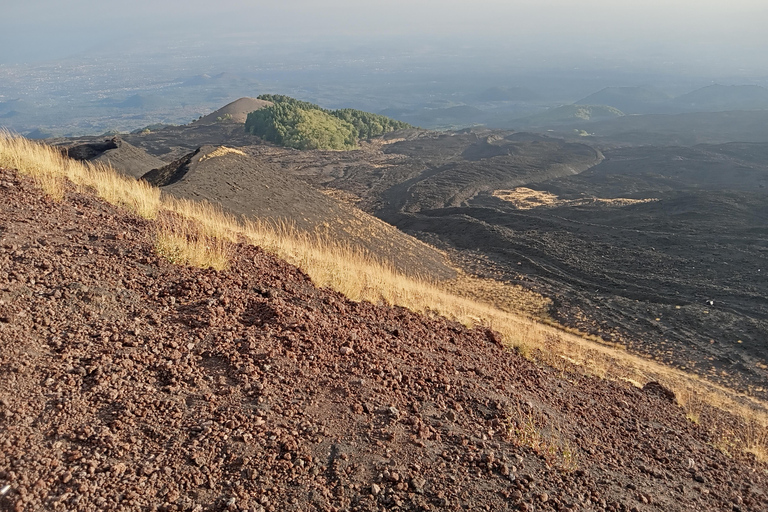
(302, 125)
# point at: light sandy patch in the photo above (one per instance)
(221, 151)
(341, 196)
(526, 199)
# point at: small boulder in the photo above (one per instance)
(663, 392)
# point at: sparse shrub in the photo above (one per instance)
(522, 350)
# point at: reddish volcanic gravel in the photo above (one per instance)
(128, 383)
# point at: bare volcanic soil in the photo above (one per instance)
(127, 383)
(679, 274)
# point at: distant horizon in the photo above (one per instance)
(73, 63)
(704, 38)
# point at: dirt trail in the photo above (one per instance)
(127, 383)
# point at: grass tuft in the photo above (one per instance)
(524, 429)
(182, 242)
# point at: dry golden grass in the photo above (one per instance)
(692, 404)
(139, 197)
(181, 241)
(195, 233)
(504, 296)
(221, 151)
(756, 439)
(49, 168)
(524, 198)
(527, 429)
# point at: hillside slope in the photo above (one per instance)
(114, 152)
(630, 100)
(716, 97)
(684, 129)
(235, 112)
(131, 383)
(250, 187)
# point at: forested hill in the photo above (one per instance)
(302, 125)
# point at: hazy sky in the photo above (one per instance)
(724, 34)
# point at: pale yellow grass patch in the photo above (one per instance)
(341, 196)
(524, 198)
(139, 197)
(211, 220)
(221, 151)
(50, 169)
(527, 429)
(181, 241)
(504, 296)
(756, 439)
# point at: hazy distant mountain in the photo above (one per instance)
(458, 116)
(195, 80)
(508, 94)
(724, 97)
(7, 105)
(648, 100)
(568, 114)
(685, 129)
(13, 108)
(139, 101)
(38, 134)
(630, 100)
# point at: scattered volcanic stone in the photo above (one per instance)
(115, 397)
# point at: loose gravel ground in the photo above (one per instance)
(128, 383)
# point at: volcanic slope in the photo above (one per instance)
(661, 249)
(416, 170)
(113, 152)
(170, 143)
(601, 251)
(235, 112)
(130, 383)
(246, 186)
(630, 249)
(419, 168)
